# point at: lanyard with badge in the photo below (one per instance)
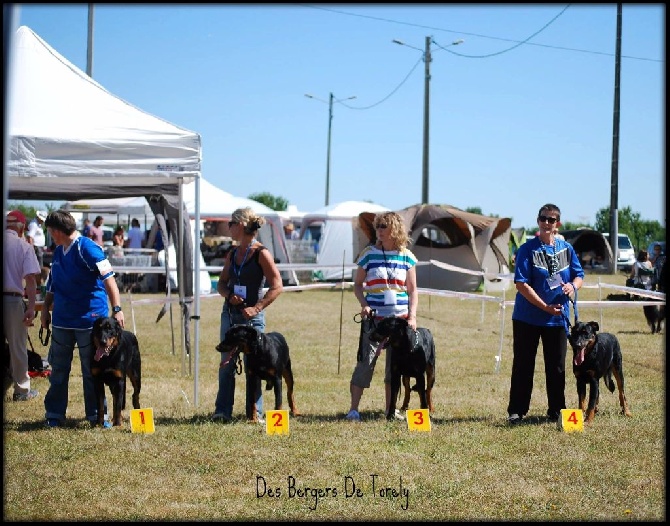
(389, 295)
(239, 290)
(554, 279)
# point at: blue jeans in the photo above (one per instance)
(225, 398)
(60, 359)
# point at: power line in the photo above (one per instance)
(479, 35)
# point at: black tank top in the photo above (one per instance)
(250, 274)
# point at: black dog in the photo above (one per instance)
(117, 356)
(655, 315)
(412, 355)
(596, 355)
(267, 358)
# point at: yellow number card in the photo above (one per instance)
(142, 420)
(418, 419)
(276, 422)
(571, 420)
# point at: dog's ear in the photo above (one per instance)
(594, 325)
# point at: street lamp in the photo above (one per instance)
(331, 99)
(426, 112)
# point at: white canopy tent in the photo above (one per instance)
(332, 229)
(69, 138)
(218, 205)
(120, 206)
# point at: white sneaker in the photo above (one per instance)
(260, 419)
(353, 415)
(398, 415)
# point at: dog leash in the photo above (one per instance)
(566, 319)
(232, 356)
(43, 340)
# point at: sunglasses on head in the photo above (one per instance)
(545, 219)
(381, 227)
(233, 223)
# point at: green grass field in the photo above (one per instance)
(471, 466)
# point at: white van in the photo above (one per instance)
(625, 256)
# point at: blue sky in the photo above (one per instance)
(521, 113)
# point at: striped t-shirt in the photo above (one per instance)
(386, 270)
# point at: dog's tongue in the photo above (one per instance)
(579, 357)
(381, 345)
(99, 353)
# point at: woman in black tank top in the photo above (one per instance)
(249, 267)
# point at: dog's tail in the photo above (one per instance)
(609, 382)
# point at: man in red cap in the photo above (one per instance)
(20, 265)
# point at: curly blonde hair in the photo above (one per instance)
(398, 234)
(251, 221)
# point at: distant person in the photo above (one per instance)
(290, 231)
(657, 259)
(135, 235)
(547, 273)
(80, 288)
(35, 235)
(118, 238)
(642, 272)
(20, 264)
(96, 231)
(86, 231)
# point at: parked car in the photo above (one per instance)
(625, 254)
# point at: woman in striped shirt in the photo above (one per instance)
(385, 285)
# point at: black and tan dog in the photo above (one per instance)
(596, 355)
(412, 356)
(267, 358)
(117, 356)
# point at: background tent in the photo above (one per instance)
(592, 247)
(120, 206)
(217, 205)
(330, 231)
(124, 209)
(450, 235)
(517, 238)
(69, 138)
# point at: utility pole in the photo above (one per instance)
(331, 100)
(427, 58)
(614, 196)
(426, 124)
(330, 127)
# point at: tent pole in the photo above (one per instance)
(196, 291)
(339, 346)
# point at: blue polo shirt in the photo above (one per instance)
(532, 264)
(76, 283)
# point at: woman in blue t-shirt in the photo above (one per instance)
(546, 274)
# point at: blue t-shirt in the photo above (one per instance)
(76, 282)
(533, 261)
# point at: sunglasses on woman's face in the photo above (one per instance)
(232, 223)
(545, 219)
(381, 227)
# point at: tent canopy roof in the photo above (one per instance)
(66, 131)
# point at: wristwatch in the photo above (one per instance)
(116, 308)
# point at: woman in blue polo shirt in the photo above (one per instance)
(80, 285)
(546, 274)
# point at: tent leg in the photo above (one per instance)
(502, 333)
